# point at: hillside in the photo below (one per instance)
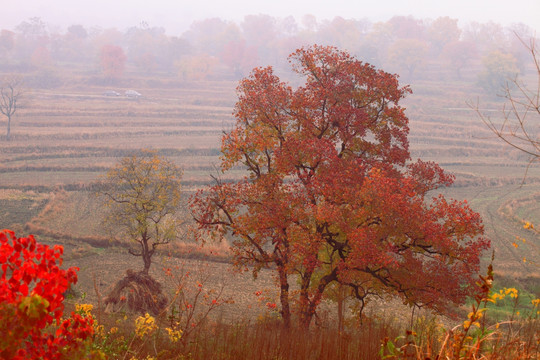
(65, 138)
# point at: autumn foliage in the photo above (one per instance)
(141, 197)
(32, 285)
(331, 195)
(239, 56)
(113, 61)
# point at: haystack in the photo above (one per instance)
(136, 293)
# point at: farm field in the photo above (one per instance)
(318, 233)
(66, 138)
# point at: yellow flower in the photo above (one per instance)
(511, 291)
(113, 330)
(84, 309)
(98, 329)
(174, 335)
(145, 325)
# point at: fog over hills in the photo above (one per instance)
(176, 16)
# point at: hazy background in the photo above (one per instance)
(176, 16)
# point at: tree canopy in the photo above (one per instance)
(142, 195)
(331, 195)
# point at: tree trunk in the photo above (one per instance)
(340, 305)
(147, 262)
(284, 297)
(146, 254)
(305, 304)
(306, 312)
(8, 128)
(309, 306)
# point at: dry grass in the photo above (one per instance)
(264, 339)
(137, 293)
(268, 340)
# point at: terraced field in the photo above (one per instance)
(70, 138)
(64, 139)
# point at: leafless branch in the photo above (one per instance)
(10, 94)
(521, 114)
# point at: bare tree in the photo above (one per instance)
(520, 127)
(10, 94)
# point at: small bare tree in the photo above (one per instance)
(10, 94)
(520, 127)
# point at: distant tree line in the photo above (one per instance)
(217, 48)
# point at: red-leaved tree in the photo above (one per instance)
(113, 61)
(330, 194)
(239, 56)
(32, 287)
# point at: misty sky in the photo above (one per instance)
(176, 15)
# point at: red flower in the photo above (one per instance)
(271, 306)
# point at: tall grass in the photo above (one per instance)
(262, 340)
(269, 340)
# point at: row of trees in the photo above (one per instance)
(330, 197)
(401, 44)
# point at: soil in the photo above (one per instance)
(101, 272)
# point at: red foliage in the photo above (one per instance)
(113, 61)
(331, 195)
(239, 56)
(31, 302)
(41, 57)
